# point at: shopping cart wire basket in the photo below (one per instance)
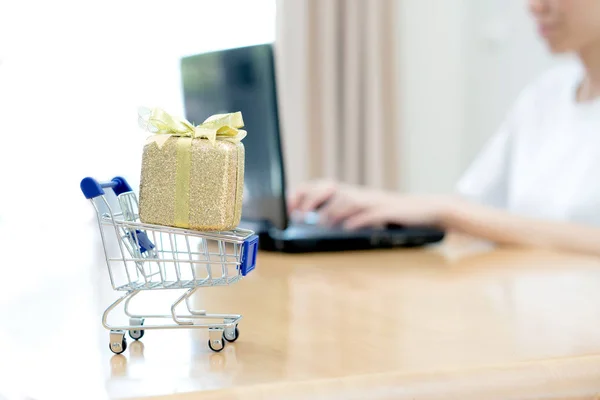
(143, 256)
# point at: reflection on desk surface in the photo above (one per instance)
(319, 320)
(405, 311)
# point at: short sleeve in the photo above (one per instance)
(486, 179)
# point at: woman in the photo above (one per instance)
(536, 182)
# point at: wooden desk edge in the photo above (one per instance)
(567, 378)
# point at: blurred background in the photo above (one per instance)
(389, 93)
(417, 86)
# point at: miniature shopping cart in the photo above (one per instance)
(151, 257)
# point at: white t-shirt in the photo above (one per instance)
(545, 160)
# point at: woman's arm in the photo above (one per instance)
(356, 207)
(502, 227)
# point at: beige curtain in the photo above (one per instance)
(336, 62)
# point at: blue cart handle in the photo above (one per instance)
(91, 188)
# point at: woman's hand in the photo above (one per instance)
(397, 209)
(358, 207)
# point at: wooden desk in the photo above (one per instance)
(446, 322)
(389, 324)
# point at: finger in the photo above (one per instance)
(313, 199)
(297, 197)
(366, 219)
(294, 200)
(339, 209)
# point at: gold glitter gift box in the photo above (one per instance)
(192, 176)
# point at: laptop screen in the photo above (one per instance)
(243, 79)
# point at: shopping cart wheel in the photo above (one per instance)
(118, 343)
(217, 345)
(231, 334)
(136, 334)
(215, 341)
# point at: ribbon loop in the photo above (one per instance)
(216, 127)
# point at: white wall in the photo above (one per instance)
(71, 87)
(461, 65)
(432, 92)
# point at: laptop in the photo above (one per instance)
(243, 79)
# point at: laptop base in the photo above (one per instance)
(315, 240)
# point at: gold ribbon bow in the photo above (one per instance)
(216, 127)
(164, 126)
